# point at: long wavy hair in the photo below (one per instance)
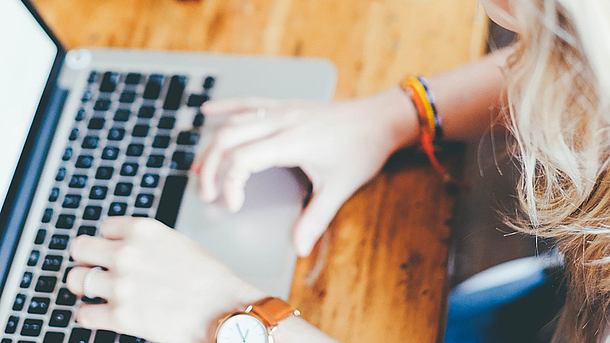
(559, 114)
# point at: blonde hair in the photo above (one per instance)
(559, 114)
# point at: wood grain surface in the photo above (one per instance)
(380, 273)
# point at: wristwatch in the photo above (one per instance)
(256, 324)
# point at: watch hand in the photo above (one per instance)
(241, 334)
(247, 332)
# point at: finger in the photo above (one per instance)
(100, 283)
(94, 251)
(99, 316)
(236, 106)
(118, 228)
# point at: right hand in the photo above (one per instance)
(339, 146)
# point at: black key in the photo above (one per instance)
(209, 82)
(127, 97)
(117, 209)
(104, 173)
(109, 82)
(80, 115)
(39, 305)
(31, 327)
(153, 87)
(116, 134)
(54, 337)
(140, 215)
(65, 221)
(122, 115)
(188, 138)
(84, 161)
(145, 200)
(19, 302)
(11, 325)
(102, 105)
(93, 301)
(48, 214)
(175, 92)
(182, 160)
(167, 123)
(96, 123)
(64, 279)
(73, 134)
(140, 130)
(171, 197)
(78, 181)
(161, 141)
(146, 112)
(133, 79)
(87, 96)
(60, 318)
(198, 120)
(123, 189)
(59, 242)
(155, 161)
(52, 263)
(46, 284)
(129, 169)
(92, 213)
(80, 335)
(103, 336)
(86, 230)
(92, 77)
(67, 154)
(150, 181)
(26, 280)
(196, 100)
(40, 236)
(98, 192)
(33, 259)
(90, 142)
(54, 195)
(65, 297)
(110, 153)
(71, 201)
(61, 174)
(135, 150)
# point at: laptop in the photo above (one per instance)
(92, 133)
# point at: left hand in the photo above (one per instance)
(159, 284)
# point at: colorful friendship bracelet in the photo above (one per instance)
(437, 119)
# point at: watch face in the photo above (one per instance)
(242, 328)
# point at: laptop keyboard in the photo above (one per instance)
(125, 157)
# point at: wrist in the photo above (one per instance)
(399, 117)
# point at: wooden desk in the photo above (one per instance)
(381, 273)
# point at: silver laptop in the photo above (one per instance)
(92, 133)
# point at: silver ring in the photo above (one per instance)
(87, 281)
(261, 113)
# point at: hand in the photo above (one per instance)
(340, 146)
(159, 284)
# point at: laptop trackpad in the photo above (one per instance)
(256, 241)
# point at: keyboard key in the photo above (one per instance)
(19, 302)
(167, 123)
(67, 154)
(80, 115)
(54, 195)
(65, 297)
(196, 100)
(84, 161)
(133, 79)
(78, 181)
(171, 197)
(92, 213)
(73, 134)
(161, 141)
(177, 84)
(92, 77)
(127, 97)
(33, 259)
(188, 138)
(71, 201)
(46, 284)
(87, 96)
(123, 189)
(59, 242)
(26, 280)
(60, 318)
(182, 160)
(103, 336)
(96, 123)
(198, 120)
(31, 327)
(40, 236)
(39, 305)
(65, 221)
(155, 161)
(48, 214)
(64, 279)
(153, 87)
(135, 150)
(140, 130)
(209, 82)
(150, 181)
(90, 142)
(11, 325)
(93, 301)
(122, 115)
(52, 263)
(98, 192)
(104, 173)
(80, 335)
(117, 209)
(110, 153)
(109, 82)
(145, 200)
(129, 169)
(146, 112)
(116, 134)
(86, 230)
(54, 337)
(61, 174)
(102, 105)
(140, 215)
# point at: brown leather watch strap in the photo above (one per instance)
(273, 310)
